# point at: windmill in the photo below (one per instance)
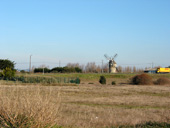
(112, 63)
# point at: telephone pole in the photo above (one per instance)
(102, 66)
(30, 64)
(59, 63)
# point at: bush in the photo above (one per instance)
(113, 83)
(142, 79)
(76, 81)
(102, 80)
(162, 81)
(8, 74)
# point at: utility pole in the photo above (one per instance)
(43, 69)
(59, 63)
(102, 66)
(30, 64)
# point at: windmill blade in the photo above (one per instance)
(115, 56)
(106, 56)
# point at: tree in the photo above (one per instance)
(119, 69)
(40, 70)
(134, 69)
(91, 67)
(6, 64)
(8, 73)
(77, 69)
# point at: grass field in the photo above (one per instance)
(87, 78)
(86, 105)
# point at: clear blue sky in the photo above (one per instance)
(84, 30)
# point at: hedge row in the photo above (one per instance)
(58, 70)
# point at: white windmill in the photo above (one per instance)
(112, 63)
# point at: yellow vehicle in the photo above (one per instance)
(163, 70)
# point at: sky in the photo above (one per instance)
(81, 31)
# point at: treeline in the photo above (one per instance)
(58, 70)
(5, 63)
(90, 67)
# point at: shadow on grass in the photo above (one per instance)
(147, 125)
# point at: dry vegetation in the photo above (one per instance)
(163, 81)
(28, 106)
(83, 105)
(142, 79)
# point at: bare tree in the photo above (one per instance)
(134, 69)
(128, 69)
(120, 69)
(106, 68)
(43, 66)
(73, 65)
(90, 67)
(98, 69)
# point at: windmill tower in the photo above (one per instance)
(112, 63)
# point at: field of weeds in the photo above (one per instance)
(90, 106)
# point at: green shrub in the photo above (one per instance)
(162, 81)
(142, 79)
(113, 82)
(76, 81)
(23, 71)
(8, 74)
(102, 80)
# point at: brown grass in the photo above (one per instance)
(87, 105)
(163, 81)
(142, 79)
(97, 106)
(27, 106)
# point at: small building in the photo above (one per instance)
(151, 70)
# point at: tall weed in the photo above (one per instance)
(27, 107)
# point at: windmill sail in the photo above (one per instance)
(112, 63)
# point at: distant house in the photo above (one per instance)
(151, 70)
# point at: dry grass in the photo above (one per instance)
(162, 81)
(28, 106)
(101, 106)
(88, 105)
(142, 79)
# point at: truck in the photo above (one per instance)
(163, 70)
